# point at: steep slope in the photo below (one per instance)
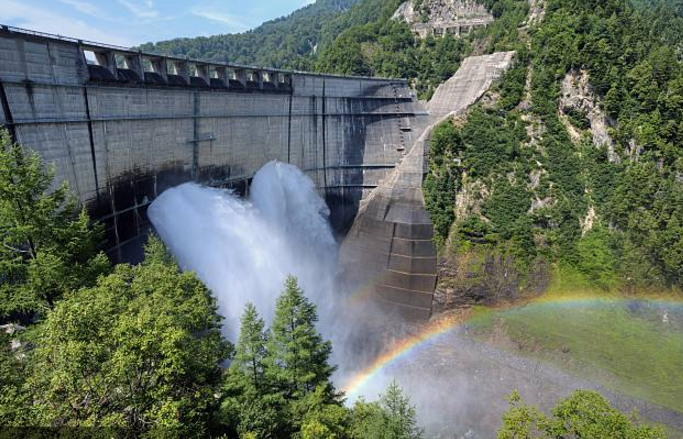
(390, 247)
(286, 42)
(572, 167)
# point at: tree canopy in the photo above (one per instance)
(48, 245)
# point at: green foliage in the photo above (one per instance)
(279, 381)
(441, 183)
(503, 34)
(393, 417)
(513, 85)
(251, 404)
(140, 351)
(632, 55)
(596, 257)
(583, 414)
(372, 43)
(298, 358)
(47, 245)
(287, 42)
(13, 401)
(622, 345)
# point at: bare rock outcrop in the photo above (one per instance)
(578, 101)
(438, 17)
(536, 11)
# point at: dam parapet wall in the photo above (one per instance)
(122, 126)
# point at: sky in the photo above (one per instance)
(131, 22)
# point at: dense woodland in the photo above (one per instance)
(287, 42)
(138, 351)
(518, 150)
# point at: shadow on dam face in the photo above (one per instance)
(122, 206)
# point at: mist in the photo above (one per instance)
(243, 249)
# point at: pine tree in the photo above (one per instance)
(47, 244)
(250, 354)
(298, 358)
(392, 417)
(401, 415)
(251, 407)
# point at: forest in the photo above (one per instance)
(609, 214)
(94, 350)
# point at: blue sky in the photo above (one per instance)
(131, 22)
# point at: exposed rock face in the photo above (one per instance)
(441, 11)
(577, 97)
(478, 278)
(389, 248)
(470, 198)
(536, 11)
(588, 222)
(443, 16)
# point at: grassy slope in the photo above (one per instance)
(640, 357)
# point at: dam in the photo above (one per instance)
(121, 126)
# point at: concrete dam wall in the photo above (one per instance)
(122, 126)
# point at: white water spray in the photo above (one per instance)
(243, 250)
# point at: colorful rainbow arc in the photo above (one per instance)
(435, 329)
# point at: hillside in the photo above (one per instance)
(573, 165)
(572, 168)
(286, 42)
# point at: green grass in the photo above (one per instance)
(641, 357)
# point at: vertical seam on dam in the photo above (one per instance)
(195, 138)
(289, 129)
(324, 121)
(92, 144)
(9, 120)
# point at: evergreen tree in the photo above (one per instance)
(251, 352)
(251, 407)
(393, 417)
(401, 415)
(298, 358)
(47, 244)
(141, 351)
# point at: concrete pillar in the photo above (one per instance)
(203, 72)
(134, 63)
(258, 77)
(241, 76)
(182, 69)
(108, 61)
(222, 74)
(84, 60)
(159, 67)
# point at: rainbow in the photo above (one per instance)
(435, 329)
(399, 350)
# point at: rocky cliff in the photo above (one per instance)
(439, 17)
